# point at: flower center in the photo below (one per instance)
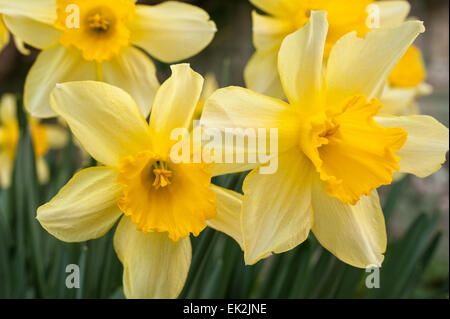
(330, 128)
(350, 151)
(99, 29)
(98, 23)
(162, 175)
(161, 196)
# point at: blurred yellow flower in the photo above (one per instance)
(162, 202)
(4, 34)
(334, 151)
(287, 16)
(405, 84)
(99, 40)
(44, 137)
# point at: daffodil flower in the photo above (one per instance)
(405, 84)
(287, 16)
(102, 40)
(44, 137)
(161, 202)
(334, 151)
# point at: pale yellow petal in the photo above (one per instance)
(135, 73)
(235, 107)
(392, 13)
(6, 168)
(55, 65)
(279, 8)
(31, 21)
(426, 147)
(399, 101)
(154, 266)
(276, 210)
(8, 108)
(42, 171)
(104, 118)
(300, 61)
(40, 10)
(33, 32)
(172, 31)
(85, 208)
(261, 74)
(228, 218)
(210, 86)
(354, 234)
(361, 66)
(57, 136)
(20, 45)
(175, 104)
(269, 32)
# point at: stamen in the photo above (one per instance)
(331, 128)
(98, 23)
(162, 175)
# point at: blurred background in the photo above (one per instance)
(416, 209)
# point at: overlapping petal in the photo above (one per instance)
(55, 65)
(174, 105)
(154, 265)
(276, 210)
(349, 71)
(235, 107)
(426, 146)
(172, 31)
(104, 118)
(269, 32)
(354, 234)
(228, 218)
(135, 73)
(85, 208)
(31, 21)
(37, 34)
(392, 13)
(264, 63)
(300, 62)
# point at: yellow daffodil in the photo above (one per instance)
(44, 137)
(334, 151)
(162, 202)
(405, 84)
(287, 16)
(99, 40)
